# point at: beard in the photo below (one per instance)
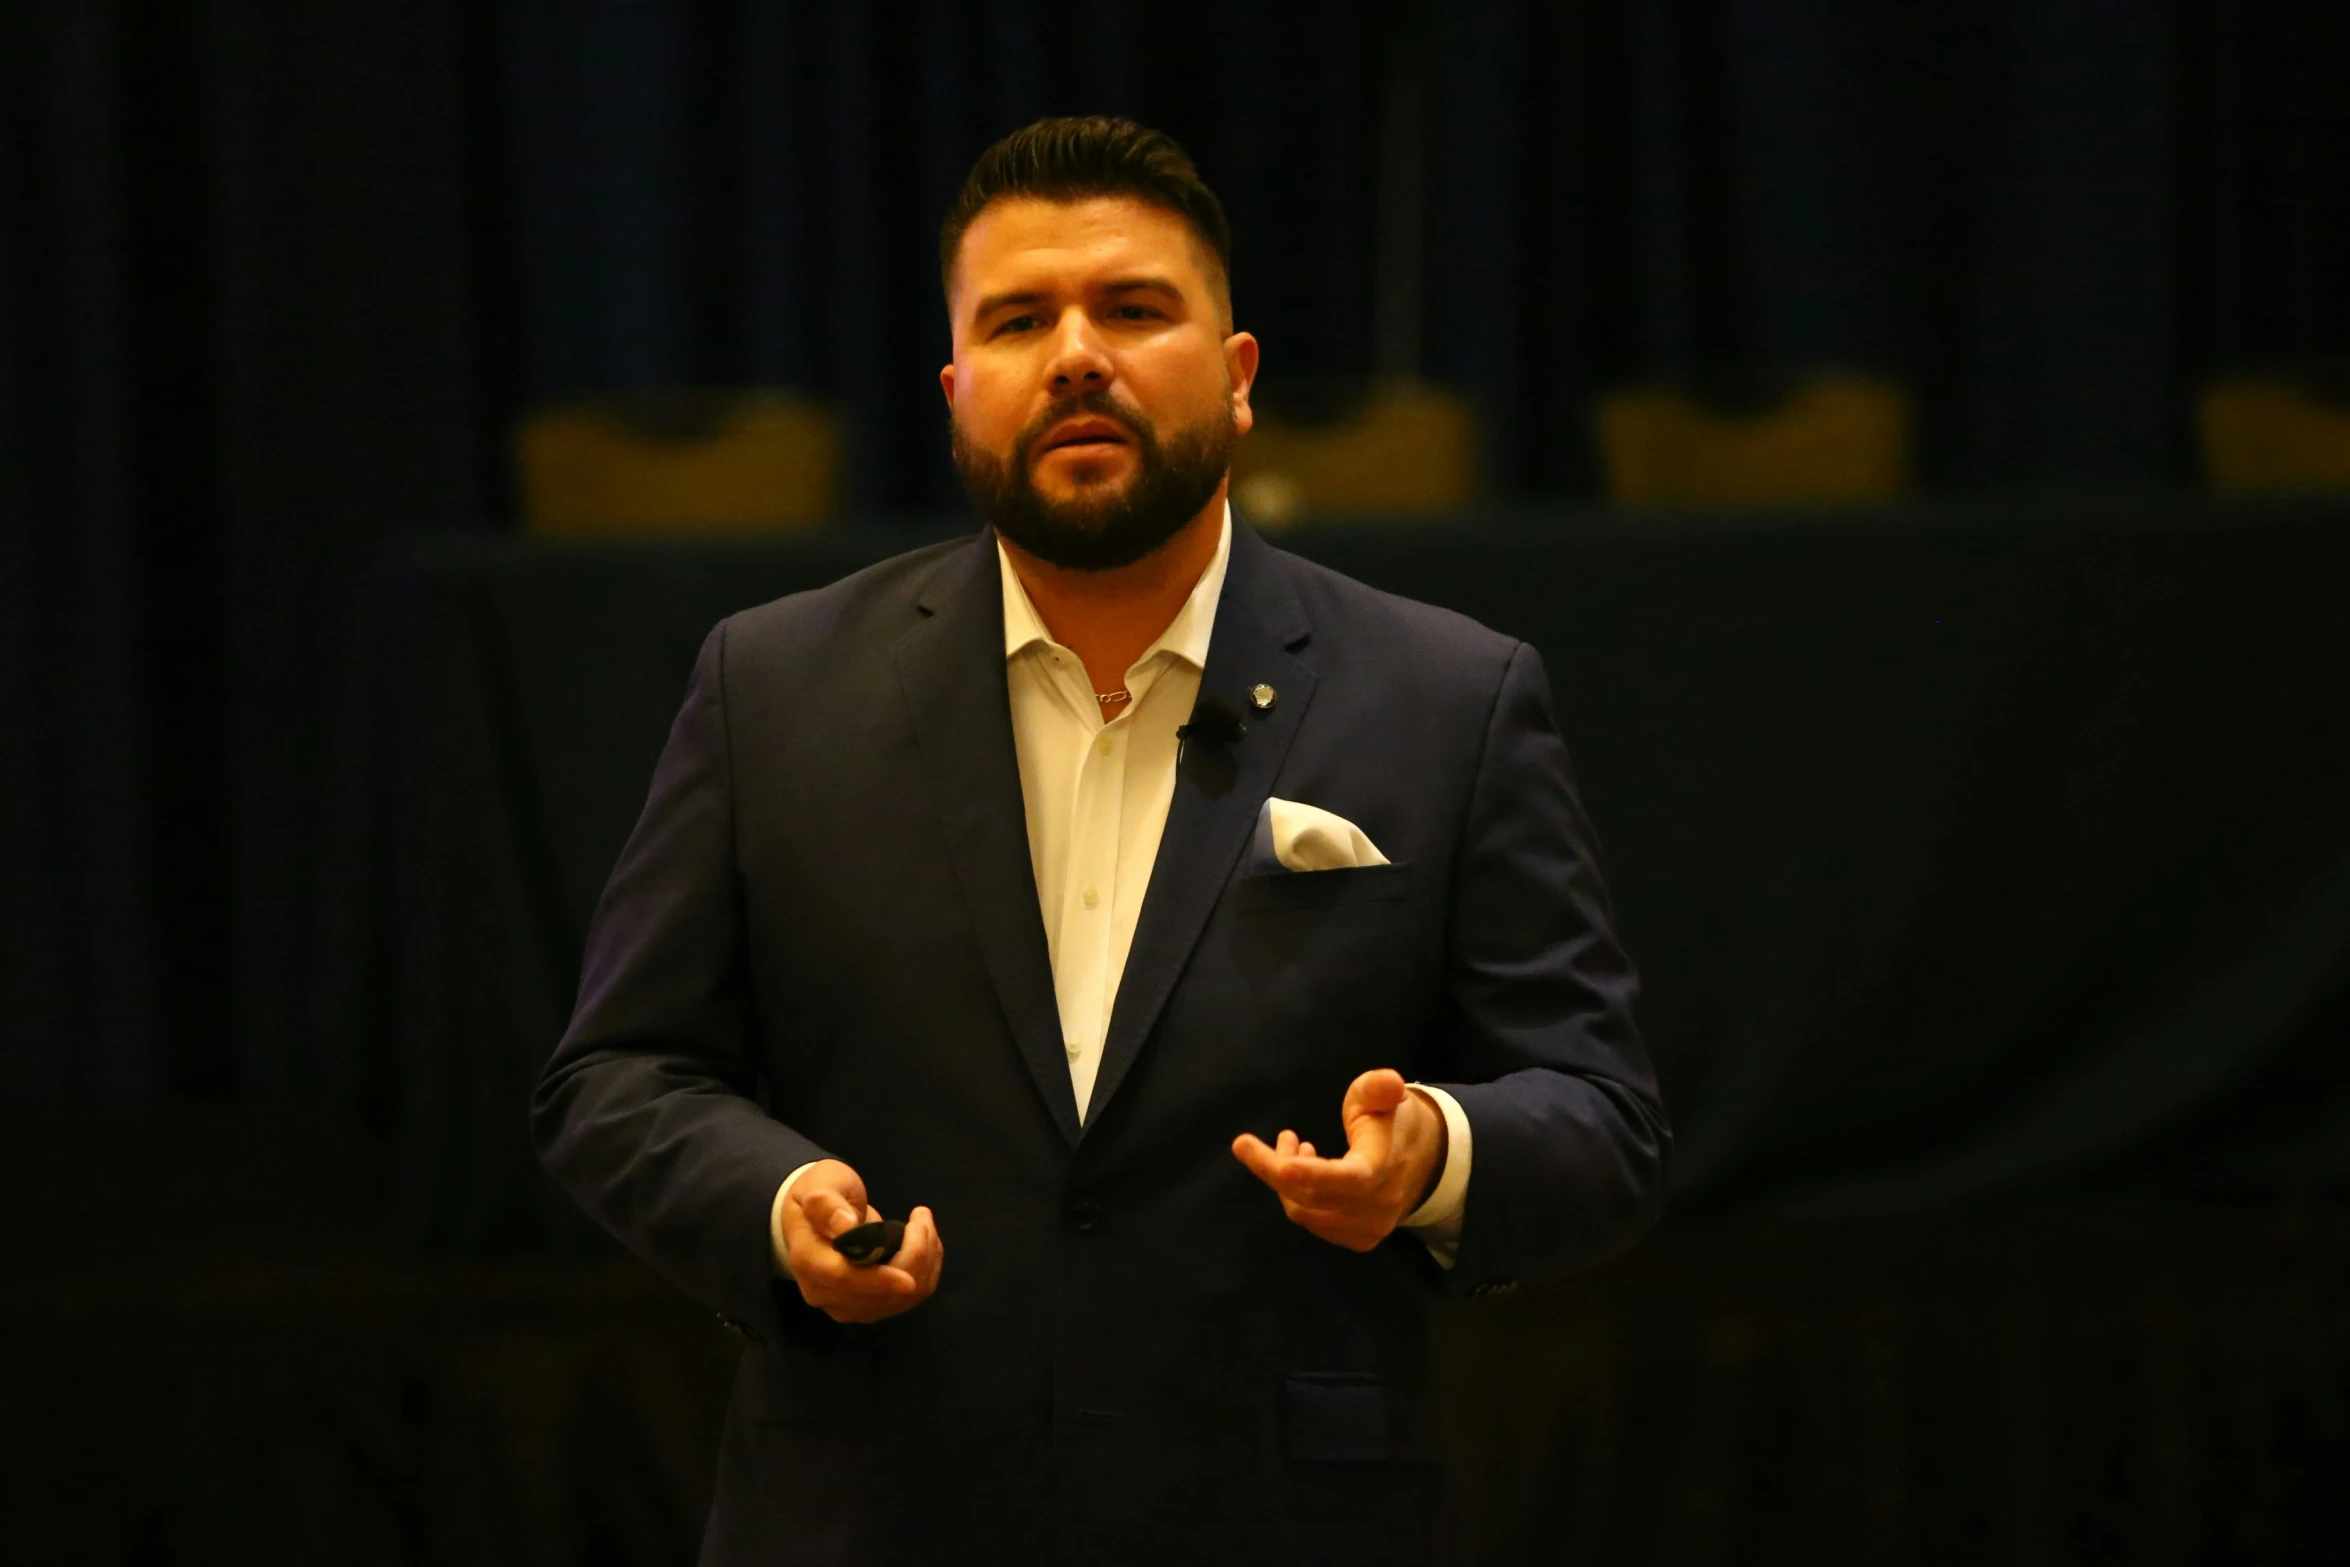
(1103, 528)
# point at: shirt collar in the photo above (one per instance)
(1186, 636)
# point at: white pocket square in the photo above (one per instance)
(1296, 837)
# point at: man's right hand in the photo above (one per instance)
(828, 1198)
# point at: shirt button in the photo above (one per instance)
(1092, 897)
(1074, 1048)
(1085, 1215)
(1108, 745)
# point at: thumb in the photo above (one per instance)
(1368, 1112)
(1374, 1093)
(834, 1200)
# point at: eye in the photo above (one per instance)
(1013, 324)
(1133, 312)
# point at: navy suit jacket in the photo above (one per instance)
(823, 940)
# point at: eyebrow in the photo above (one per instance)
(1148, 284)
(1143, 285)
(995, 302)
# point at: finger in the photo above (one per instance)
(834, 1179)
(877, 1282)
(821, 1268)
(817, 1264)
(826, 1279)
(1369, 1113)
(924, 1224)
(1378, 1093)
(832, 1217)
(1262, 1162)
(913, 1253)
(1374, 1093)
(828, 1213)
(1369, 1138)
(1361, 1198)
(1288, 1144)
(1349, 1176)
(815, 1208)
(1304, 1169)
(823, 1271)
(1302, 1173)
(1327, 1199)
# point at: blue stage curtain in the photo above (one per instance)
(275, 280)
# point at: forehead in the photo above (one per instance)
(1026, 242)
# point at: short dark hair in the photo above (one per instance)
(1078, 157)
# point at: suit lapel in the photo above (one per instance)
(1219, 790)
(951, 668)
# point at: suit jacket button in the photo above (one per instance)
(1084, 1215)
(741, 1330)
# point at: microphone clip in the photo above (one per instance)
(1213, 722)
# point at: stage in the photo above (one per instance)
(242, 1371)
(1988, 870)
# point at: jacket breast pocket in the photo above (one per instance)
(1270, 891)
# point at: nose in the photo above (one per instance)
(1079, 363)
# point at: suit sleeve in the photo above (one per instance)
(646, 1113)
(1570, 1129)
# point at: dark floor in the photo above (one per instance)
(207, 1354)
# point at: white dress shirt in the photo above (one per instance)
(1097, 795)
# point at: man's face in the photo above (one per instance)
(1096, 392)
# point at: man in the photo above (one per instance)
(1209, 946)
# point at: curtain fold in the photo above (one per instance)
(276, 280)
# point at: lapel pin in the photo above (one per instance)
(1261, 698)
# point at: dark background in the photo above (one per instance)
(277, 280)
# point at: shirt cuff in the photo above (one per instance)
(775, 1216)
(1437, 1222)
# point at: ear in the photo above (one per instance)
(946, 384)
(1240, 365)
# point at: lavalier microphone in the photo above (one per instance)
(1213, 722)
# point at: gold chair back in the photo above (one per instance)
(1824, 438)
(1401, 450)
(688, 459)
(2276, 434)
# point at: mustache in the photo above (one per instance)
(1100, 531)
(1096, 401)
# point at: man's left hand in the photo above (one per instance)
(1395, 1147)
